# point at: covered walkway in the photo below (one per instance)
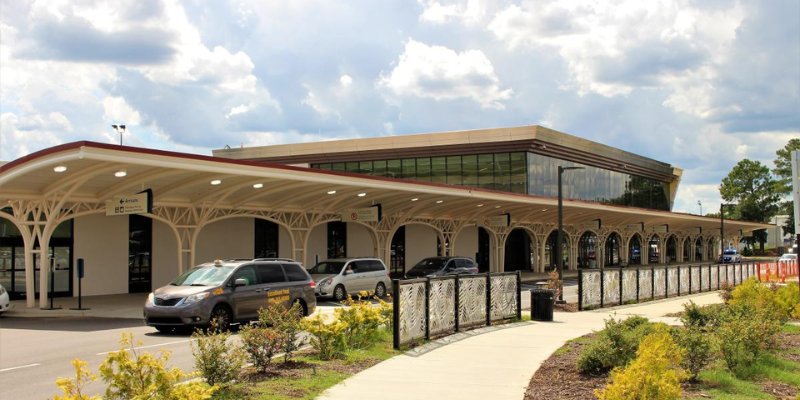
(191, 192)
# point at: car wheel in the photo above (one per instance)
(303, 308)
(339, 294)
(380, 290)
(223, 315)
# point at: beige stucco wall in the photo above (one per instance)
(103, 243)
(165, 255)
(229, 238)
(317, 245)
(467, 242)
(420, 243)
(359, 241)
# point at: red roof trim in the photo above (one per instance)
(165, 153)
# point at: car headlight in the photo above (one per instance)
(195, 298)
(326, 282)
(2, 290)
(151, 299)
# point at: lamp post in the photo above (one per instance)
(560, 241)
(722, 228)
(700, 203)
(119, 129)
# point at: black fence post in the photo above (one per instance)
(396, 314)
(602, 288)
(488, 298)
(458, 299)
(638, 272)
(690, 278)
(580, 290)
(428, 309)
(678, 268)
(620, 286)
(519, 294)
(653, 283)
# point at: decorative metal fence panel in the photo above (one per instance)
(471, 301)
(504, 296)
(629, 285)
(684, 279)
(715, 277)
(441, 305)
(435, 306)
(659, 282)
(672, 282)
(611, 289)
(412, 324)
(590, 284)
(645, 284)
(615, 286)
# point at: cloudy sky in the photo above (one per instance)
(698, 84)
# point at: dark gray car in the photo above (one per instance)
(230, 291)
(439, 266)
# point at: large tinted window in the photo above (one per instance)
(248, 273)
(430, 264)
(326, 268)
(375, 266)
(294, 273)
(203, 276)
(271, 273)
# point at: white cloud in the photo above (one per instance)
(439, 73)
(346, 80)
(240, 109)
(22, 136)
(470, 13)
(117, 110)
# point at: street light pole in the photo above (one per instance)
(119, 129)
(700, 203)
(560, 241)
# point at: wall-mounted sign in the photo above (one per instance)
(747, 234)
(634, 227)
(498, 220)
(593, 225)
(695, 231)
(659, 229)
(366, 214)
(140, 203)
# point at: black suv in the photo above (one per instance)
(440, 266)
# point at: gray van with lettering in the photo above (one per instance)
(230, 291)
(339, 276)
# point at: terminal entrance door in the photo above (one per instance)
(518, 251)
(397, 266)
(140, 250)
(484, 249)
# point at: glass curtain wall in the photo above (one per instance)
(502, 171)
(595, 184)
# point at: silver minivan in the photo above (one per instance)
(337, 277)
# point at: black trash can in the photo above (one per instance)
(542, 301)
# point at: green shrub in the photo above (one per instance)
(615, 345)
(655, 373)
(760, 296)
(261, 344)
(287, 323)
(327, 339)
(73, 388)
(217, 359)
(789, 299)
(744, 332)
(694, 315)
(136, 375)
(362, 321)
(696, 346)
(725, 290)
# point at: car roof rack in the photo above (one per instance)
(274, 259)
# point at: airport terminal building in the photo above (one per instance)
(488, 194)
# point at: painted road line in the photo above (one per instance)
(20, 367)
(146, 347)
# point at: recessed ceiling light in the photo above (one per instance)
(362, 194)
(480, 205)
(331, 192)
(60, 168)
(121, 173)
(439, 201)
(544, 210)
(216, 182)
(415, 199)
(496, 206)
(258, 186)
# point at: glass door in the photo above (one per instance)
(61, 276)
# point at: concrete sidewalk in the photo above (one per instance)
(497, 364)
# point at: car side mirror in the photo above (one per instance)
(239, 282)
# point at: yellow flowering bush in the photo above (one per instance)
(327, 339)
(362, 320)
(655, 373)
(73, 388)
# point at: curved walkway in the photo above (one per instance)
(497, 364)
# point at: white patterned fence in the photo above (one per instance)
(615, 286)
(436, 306)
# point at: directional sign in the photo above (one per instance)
(593, 225)
(140, 203)
(659, 229)
(747, 234)
(634, 227)
(499, 220)
(367, 214)
(695, 231)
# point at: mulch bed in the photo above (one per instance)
(568, 307)
(558, 377)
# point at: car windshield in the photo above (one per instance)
(730, 251)
(204, 276)
(327, 268)
(430, 265)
